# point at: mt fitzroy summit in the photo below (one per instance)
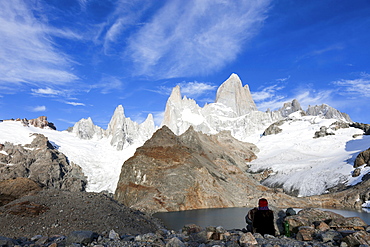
(234, 110)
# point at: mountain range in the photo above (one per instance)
(295, 152)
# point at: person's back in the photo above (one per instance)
(263, 221)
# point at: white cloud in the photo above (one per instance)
(27, 52)
(75, 103)
(46, 91)
(272, 98)
(189, 89)
(39, 108)
(195, 37)
(194, 89)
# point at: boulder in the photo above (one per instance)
(274, 129)
(247, 239)
(305, 233)
(363, 159)
(347, 223)
(310, 216)
(81, 237)
(330, 236)
(357, 239)
(175, 242)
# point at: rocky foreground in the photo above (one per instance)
(60, 218)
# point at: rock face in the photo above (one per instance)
(363, 159)
(234, 110)
(232, 94)
(327, 112)
(86, 129)
(42, 163)
(290, 107)
(192, 171)
(364, 127)
(121, 131)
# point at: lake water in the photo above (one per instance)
(229, 218)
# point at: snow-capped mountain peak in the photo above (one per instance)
(231, 93)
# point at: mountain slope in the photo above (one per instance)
(100, 161)
(193, 171)
(304, 165)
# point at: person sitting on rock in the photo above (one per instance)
(263, 220)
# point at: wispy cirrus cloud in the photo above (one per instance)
(274, 96)
(268, 93)
(355, 87)
(28, 54)
(46, 92)
(196, 37)
(108, 84)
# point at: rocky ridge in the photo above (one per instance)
(193, 171)
(41, 162)
(40, 122)
(121, 131)
(235, 110)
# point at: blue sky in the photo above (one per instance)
(75, 59)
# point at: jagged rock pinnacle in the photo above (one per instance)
(232, 94)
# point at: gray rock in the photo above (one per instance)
(113, 235)
(81, 237)
(290, 212)
(247, 239)
(41, 162)
(274, 129)
(289, 108)
(328, 112)
(7, 242)
(330, 236)
(362, 126)
(175, 242)
(323, 132)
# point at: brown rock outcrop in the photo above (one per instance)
(12, 189)
(40, 122)
(193, 171)
(363, 158)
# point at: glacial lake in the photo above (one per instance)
(229, 218)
